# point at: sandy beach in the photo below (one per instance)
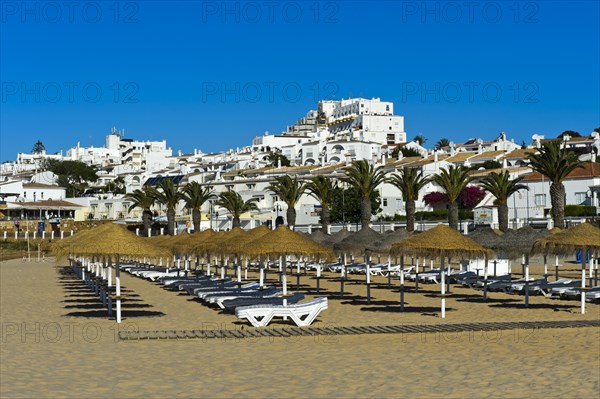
(57, 341)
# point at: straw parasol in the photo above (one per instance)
(390, 238)
(110, 240)
(582, 237)
(337, 237)
(320, 237)
(441, 241)
(570, 240)
(515, 243)
(485, 236)
(359, 242)
(282, 242)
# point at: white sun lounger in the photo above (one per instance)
(303, 314)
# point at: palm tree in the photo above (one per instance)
(441, 143)
(409, 181)
(365, 178)
(501, 187)
(235, 205)
(556, 164)
(420, 139)
(195, 196)
(168, 194)
(323, 190)
(453, 181)
(289, 191)
(145, 199)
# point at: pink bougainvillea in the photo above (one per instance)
(469, 197)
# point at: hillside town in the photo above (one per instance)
(325, 142)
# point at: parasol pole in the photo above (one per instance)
(402, 283)
(556, 268)
(284, 280)
(118, 289)
(526, 256)
(246, 268)
(485, 278)
(368, 259)
(583, 259)
(109, 286)
(443, 287)
(546, 267)
(389, 270)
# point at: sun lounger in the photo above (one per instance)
(225, 290)
(303, 314)
(256, 294)
(230, 305)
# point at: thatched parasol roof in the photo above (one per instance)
(390, 238)
(440, 241)
(485, 236)
(357, 243)
(555, 230)
(108, 240)
(284, 241)
(319, 236)
(515, 243)
(570, 240)
(337, 237)
(231, 242)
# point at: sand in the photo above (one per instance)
(58, 342)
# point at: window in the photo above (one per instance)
(390, 128)
(42, 194)
(385, 202)
(540, 199)
(580, 198)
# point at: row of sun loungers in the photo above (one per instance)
(249, 301)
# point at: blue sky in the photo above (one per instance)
(212, 75)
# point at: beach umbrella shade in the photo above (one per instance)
(282, 242)
(519, 243)
(359, 242)
(441, 241)
(319, 236)
(337, 237)
(485, 236)
(582, 237)
(112, 240)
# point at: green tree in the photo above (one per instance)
(75, 176)
(441, 143)
(453, 181)
(556, 164)
(501, 187)
(38, 147)
(365, 178)
(570, 133)
(144, 199)
(116, 186)
(409, 181)
(195, 196)
(236, 206)
(346, 206)
(168, 194)
(323, 190)
(289, 191)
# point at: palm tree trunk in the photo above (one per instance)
(147, 221)
(325, 217)
(453, 215)
(291, 216)
(410, 215)
(557, 199)
(365, 212)
(236, 222)
(171, 221)
(503, 216)
(196, 220)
